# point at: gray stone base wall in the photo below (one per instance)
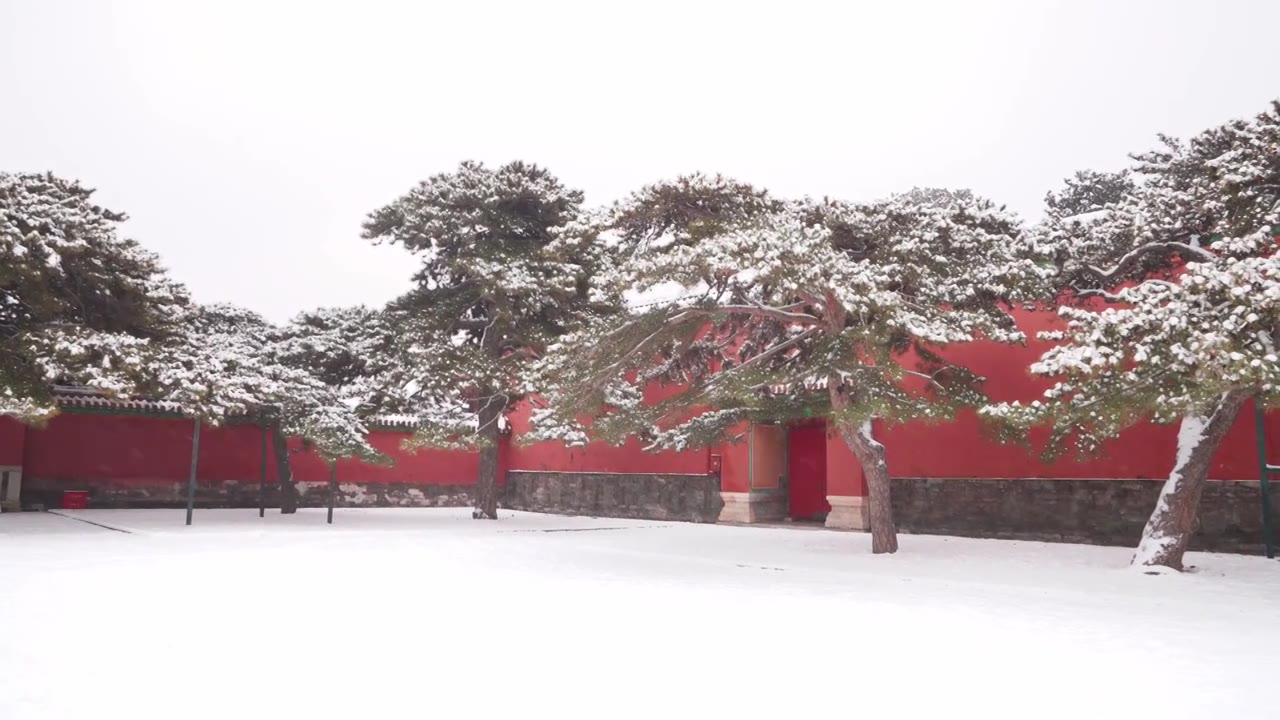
(38, 493)
(316, 494)
(1100, 512)
(690, 498)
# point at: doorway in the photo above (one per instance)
(807, 471)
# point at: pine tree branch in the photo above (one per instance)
(771, 313)
(1107, 296)
(836, 313)
(1097, 398)
(1127, 262)
(471, 324)
(810, 332)
(793, 306)
(931, 378)
(504, 401)
(795, 340)
(1111, 297)
(668, 323)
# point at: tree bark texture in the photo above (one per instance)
(875, 468)
(284, 470)
(486, 507)
(1176, 516)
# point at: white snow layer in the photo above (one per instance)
(426, 613)
(667, 291)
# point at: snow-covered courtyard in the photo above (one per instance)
(429, 614)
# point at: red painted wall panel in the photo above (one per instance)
(12, 441)
(438, 467)
(844, 474)
(139, 450)
(129, 450)
(959, 448)
(597, 456)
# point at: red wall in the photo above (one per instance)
(146, 450)
(598, 456)
(959, 448)
(844, 474)
(735, 462)
(139, 450)
(12, 437)
(428, 467)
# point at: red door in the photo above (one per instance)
(807, 471)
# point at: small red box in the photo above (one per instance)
(713, 465)
(75, 499)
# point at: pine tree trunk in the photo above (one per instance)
(284, 470)
(871, 456)
(875, 468)
(1169, 531)
(486, 507)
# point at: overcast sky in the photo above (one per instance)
(248, 140)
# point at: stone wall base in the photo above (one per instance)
(44, 493)
(1100, 512)
(753, 507)
(689, 498)
(848, 513)
(10, 487)
(316, 494)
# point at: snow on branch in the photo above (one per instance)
(1126, 263)
(779, 314)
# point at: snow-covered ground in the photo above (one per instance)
(428, 614)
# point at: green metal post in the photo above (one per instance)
(333, 486)
(1264, 470)
(262, 476)
(191, 480)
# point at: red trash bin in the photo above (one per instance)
(75, 499)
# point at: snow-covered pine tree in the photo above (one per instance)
(353, 350)
(1180, 318)
(1088, 191)
(506, 263)
(231, 363)
(78, 304)
(757, 309)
